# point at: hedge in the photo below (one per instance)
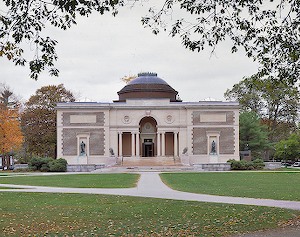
(46, 164)
(257, 164)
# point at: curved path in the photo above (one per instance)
(150, 185)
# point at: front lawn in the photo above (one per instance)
(8, 188)
(76, 180)
(44, 214)
(270, 185)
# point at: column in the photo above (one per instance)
(120, 144)
(132, 144)
(137, 145)
(158, 144)
(163, 145)
(175, 144)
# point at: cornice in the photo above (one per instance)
(150, 104)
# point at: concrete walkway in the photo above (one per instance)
(150, 185)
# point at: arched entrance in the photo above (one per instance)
(148, 131)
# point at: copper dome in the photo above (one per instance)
(147, 86)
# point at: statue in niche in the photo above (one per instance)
(213, 147)
(82, 148)
(111, 151)
(185, 150)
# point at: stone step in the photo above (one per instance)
(148, 161)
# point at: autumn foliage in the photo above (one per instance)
(11, 137)
(38, 120)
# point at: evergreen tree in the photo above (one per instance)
(253, 135)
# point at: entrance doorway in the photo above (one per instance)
(148, 135)
(148, 148)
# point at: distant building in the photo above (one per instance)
(148, 125)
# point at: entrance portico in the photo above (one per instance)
(147, 140)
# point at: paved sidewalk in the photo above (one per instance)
(150, 185)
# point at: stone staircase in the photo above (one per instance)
(148, 161)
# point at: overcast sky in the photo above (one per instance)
(100, 50)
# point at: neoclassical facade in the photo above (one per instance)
(148, 123)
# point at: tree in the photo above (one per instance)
(26, 20)
(39, 119)
(7, 98)
(247, 93)
(253, 135)
(11, 137)
(128, 78)
(276, 102)
(288, 149)
(268, 31)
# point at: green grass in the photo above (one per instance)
(40, 214)
(7, 188)
(270, 185)
(288, 169)
(13, 174)
(76, 180)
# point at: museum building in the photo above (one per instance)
(148, 125)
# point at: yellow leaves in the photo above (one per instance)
(9, 50)
(11, 137)
(128, 78)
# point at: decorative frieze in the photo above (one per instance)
(83, 119)
(213, 118)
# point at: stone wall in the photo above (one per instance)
(83, 168)
(272, 165)
(226, 140)
(97, 142)
(96, 145)
(199, 141)
(20, 166)
(213, 167)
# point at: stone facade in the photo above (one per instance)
(131, 128)
(148, 128)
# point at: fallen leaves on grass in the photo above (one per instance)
(101, 215)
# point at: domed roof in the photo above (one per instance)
(145, 86)
(147, 78)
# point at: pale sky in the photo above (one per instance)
(100, 50)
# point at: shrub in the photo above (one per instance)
(32, 168)
(36, 163)
(246, 165)
(259, 164)
(48, 164)
(59, 165)
(45, 167)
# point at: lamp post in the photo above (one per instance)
(10, 160)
